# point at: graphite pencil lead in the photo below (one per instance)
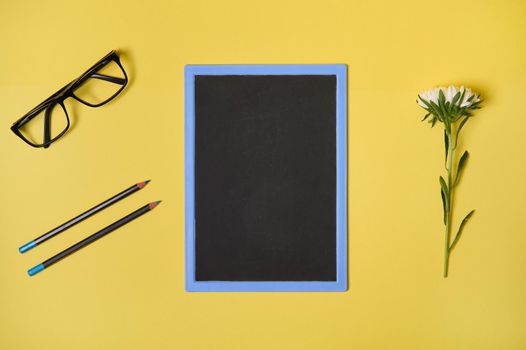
(143, 183)
(154, 204)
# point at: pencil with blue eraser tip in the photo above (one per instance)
(134, 188)
(99, 234)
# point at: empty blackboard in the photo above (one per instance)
(265, 178)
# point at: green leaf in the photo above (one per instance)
(428, 104)
(436, 109)
(475, 105)
(427, 115)
(445, 197)
(460, 128)
(460, 228)
(441, 96)
(442, 103)
(455, 98)
(424, 101)
(443, 185)
(444, 205)
(461, 165)
(434, 120)
(461, 99)
(453, 111)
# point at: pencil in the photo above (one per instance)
(92, 238)
(83, 216)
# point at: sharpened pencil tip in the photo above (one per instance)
(144, 183)
(154, 204)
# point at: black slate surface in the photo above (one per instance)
(265, 177)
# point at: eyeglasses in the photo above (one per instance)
(48, 121)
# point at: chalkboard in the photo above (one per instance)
(264, 178)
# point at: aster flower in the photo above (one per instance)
(448, 104)
(451, 106)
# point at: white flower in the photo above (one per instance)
(467, 96)
(430, 95)
(449, 93)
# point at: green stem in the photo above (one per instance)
(450, 186)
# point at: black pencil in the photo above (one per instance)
(92, 238)
(83, 216)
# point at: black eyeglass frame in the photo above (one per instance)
(69, 91)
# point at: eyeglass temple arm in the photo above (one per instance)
(47, 126)
(114, 80)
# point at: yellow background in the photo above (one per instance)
(127, 290)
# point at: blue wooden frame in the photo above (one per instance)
(340, 71)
